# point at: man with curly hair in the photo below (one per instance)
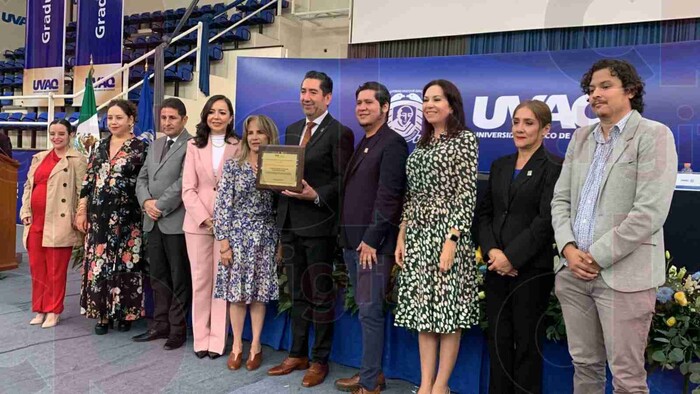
(608, 210)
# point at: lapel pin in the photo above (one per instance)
(366, 150)
(529, 173)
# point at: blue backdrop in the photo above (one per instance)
(491, 85)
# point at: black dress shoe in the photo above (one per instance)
(123, 325)
(149, 335)
(101, 328)
(201, 353)
(174, 343)
(213, 355)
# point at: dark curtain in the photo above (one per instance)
(535, 40)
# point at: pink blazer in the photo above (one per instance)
(199, 184)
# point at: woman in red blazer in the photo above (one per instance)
(213, 144)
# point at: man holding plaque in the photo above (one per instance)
(375, 183)
(309, 223)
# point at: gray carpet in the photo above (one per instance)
(70, 359)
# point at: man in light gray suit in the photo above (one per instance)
(608, 211)
(159, 191)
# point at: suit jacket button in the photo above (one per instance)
(63, 200)
(65, 185)
(505, 213)
(63, 215)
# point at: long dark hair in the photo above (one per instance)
(201, 137)
(455, 122)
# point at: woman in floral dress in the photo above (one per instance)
(438, 292)
(110, 215)
(244, 222)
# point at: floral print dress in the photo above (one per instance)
(246, 217)
(113, 265)
(441, 195)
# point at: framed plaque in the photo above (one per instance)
(280, 167)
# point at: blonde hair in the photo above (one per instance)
(267, 126)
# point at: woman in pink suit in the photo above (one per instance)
(213, 144)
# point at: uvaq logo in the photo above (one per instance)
(570, 116)
(18, 20)
(406, 114)
(104, 84)
(41, 85)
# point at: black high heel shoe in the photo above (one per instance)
(123, 326)
(101, 328)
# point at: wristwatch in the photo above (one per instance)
(452, 237)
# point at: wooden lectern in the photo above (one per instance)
(8, 212)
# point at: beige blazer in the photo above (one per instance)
(63, 191)
(633, 202)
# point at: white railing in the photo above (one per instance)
(51, 97)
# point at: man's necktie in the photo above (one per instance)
(307, 133)
(166, 149)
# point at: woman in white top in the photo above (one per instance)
(213, 144)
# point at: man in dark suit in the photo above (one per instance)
(375, 183)
(309, 224)
(5, 145)
(159, 191)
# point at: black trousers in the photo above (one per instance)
(309, 265)
(515, 308)
(170, 280)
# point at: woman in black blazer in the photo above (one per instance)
(515, 231)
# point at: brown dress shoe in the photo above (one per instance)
(362, 390)
(353, 383)
(254, 362)
(234, 361)
(288, 365)
(315, 375)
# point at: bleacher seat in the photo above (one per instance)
(17, 82)
(206, 9)
(6, 82)
(9, 54)
(130, 29)
(102, 122)
(236, 35)
(153, 40)
(71, 36)
(262, 18)
(73, 118)
(184, 71)
(180, 12)
(169, 15)
(134, 95)
(70, 48)
(157, 16)
(4, 116)
(218, 8)
(6, 101)
(216, 52)
(59, 115)
(220, 22)
(136, 74)
(171, 74)
(19, 53)
(42, 117)
(169, 26)
(15, 117)
(72, 26)
(145, 17)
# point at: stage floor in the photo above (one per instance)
(71, 359)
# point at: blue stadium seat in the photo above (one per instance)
(6, 82)
(189, 39)
(102, 122)
(71, 36)
(180, 12)
(130, 29)
(157, 16)
(73, 118)
(9, 54)
(195, 12)
(43, 117)
(171, 74)
(206, 9)
(15, 117)
(70, 48)
(145, 17)
(19, 53)
(236, 35)
(220, 22)
(262, 18)
(136, 74)
(59, 115)
(134, 95)
(153, 40)
(6, 102)
(169, 54)
(184, 71)
(17, 83)
(235, 18)
(72, 26)
(4, 116)
(216, 52)
(169, 26)
(169, 15)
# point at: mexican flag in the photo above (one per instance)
(88, 132)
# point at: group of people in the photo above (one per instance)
(190, 205)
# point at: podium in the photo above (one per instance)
(8, 212)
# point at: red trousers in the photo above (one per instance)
(49, 267)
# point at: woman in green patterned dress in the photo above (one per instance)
(438, 292)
